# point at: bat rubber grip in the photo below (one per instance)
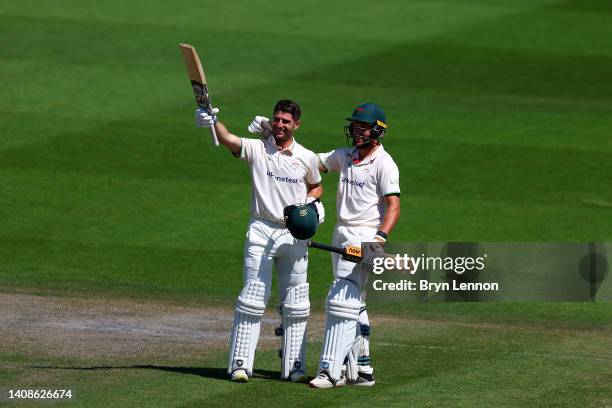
(213, 136)
(326, 247)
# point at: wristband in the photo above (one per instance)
(382, 235)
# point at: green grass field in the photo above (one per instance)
(500, 120)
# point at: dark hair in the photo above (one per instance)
(287, 106)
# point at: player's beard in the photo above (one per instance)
(283, 137)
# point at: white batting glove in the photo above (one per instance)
(205, 119)
(260, 125)
(317, 205)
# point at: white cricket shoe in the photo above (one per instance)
(323, 380)
(239, 376)
(298, 377)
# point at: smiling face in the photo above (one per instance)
(361, 134)
(283, 126)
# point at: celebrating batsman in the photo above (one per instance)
(368, 207)
(283, 174)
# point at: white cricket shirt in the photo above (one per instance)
(363, 185)
(278, 177)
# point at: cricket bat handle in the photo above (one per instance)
(213, 136)
(326, 247)
(351, 253)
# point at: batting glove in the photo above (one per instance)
(206, 119)
(261, 126)
(317, 205)
(381, 237)
(377, 245)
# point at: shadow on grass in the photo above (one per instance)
(206, 372)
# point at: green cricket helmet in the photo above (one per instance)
(371, 114)
(301, 221)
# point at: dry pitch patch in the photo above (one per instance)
(115, 329)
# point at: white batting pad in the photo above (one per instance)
(250, 308)
(295, 311)
(343, 304)
(351, 364)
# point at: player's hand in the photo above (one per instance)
(206, 119)
(380, 237)
(377, 245)
(374, 247)
(260, 125)
(317, 205)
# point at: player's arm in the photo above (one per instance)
(315, 191)
(387, 180)
(313, 179)
(314, 188)
(392, 214)
(322, 168)
(228, 139)
(206, 119)
(329, 161)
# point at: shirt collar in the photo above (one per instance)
(368, 159)
(288, 150)
(276, 149)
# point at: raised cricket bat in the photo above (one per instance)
(198, 82)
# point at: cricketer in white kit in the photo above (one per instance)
(283, 173)
(368, 207)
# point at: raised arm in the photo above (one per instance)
(206, 120)
(228, 139)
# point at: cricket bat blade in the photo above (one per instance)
(198, 82)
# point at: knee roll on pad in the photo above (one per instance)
(250, 308)
(251, 300)
(295, 310)
(296, 303)
(343, 299)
